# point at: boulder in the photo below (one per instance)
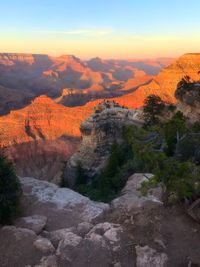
(63, 207)
(60, 234)
(67, 246)
(83, 228)
(148, 257)
(35, 223)
(44, 245)
(131, 197)
(48, 261)
(17, 247)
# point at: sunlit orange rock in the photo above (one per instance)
(43, 119)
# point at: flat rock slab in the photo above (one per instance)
(63, 207)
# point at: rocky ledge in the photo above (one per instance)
(63, 228)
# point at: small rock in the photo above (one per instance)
(67, 245)
(58, 235)
(83, 228)
(48, 261)
(112, 234)
(35, 223)
(148, 257)
(44, 245)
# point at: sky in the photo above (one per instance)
(106, 28)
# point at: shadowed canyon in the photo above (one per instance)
(72, 89)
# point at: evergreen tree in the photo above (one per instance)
(10, 191)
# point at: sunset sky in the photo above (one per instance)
(105, 28)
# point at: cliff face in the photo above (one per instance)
(165, 83)
(43, 119)
(29, 75)
(99, 132)
(40, 137)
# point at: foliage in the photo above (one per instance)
(189, 148)
(170, 150)
(171, 107)
(153, 106)
(10, 191)
(174, 130)
(106, 186)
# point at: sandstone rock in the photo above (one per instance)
(35, 223)
(148, 257)
(44, 245)
(165, 83)
(131, 197)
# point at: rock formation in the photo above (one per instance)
(165, 83)
(188, 96)
(99, 132)
(40, 137)
(25, 76)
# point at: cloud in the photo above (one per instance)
(83, 32)
(155, 38)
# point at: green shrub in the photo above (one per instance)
(10, 191)
(174, 130)
(153, 106)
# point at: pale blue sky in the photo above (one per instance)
(108, 28)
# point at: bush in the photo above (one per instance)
(174, 130)
(153, 106)
(10, 191)
(106, 185)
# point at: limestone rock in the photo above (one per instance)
(131, 197)
(44, 245)
(62, 206)
(35, 223)
(148, 257)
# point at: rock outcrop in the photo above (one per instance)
(165, 83)
(188, 96)
(62, 206)
(131, 198)
(99, 132)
